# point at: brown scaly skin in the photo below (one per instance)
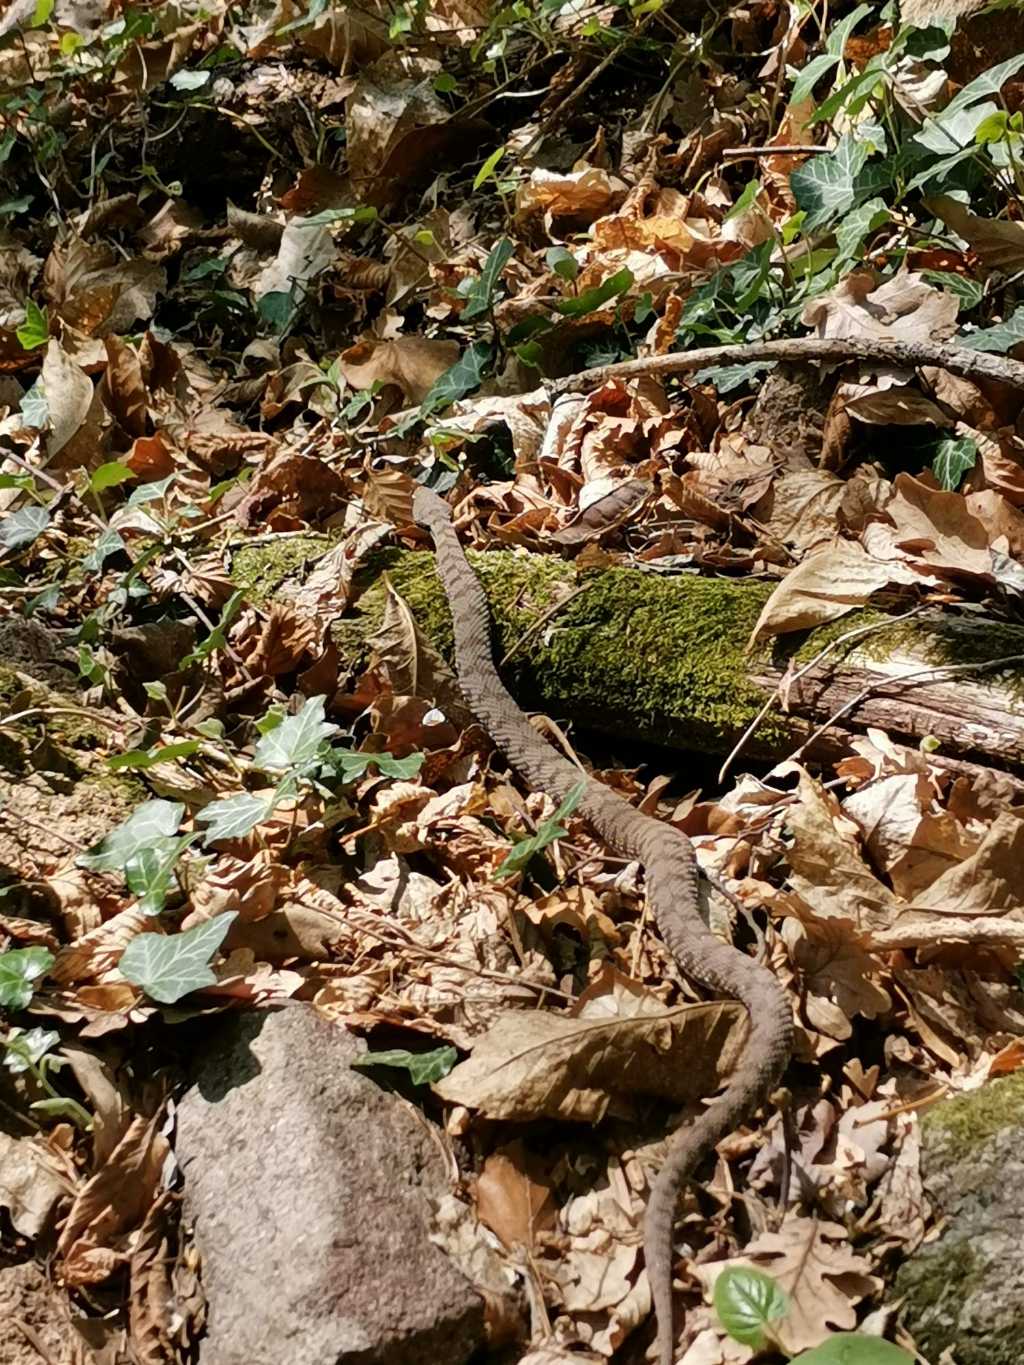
(672, 891)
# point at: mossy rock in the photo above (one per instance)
(965, 1291)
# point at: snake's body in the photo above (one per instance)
(671, 873)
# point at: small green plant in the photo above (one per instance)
(548, 832)
(31, 1050)
(751, 1306)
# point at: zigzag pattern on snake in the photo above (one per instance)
(672, 880)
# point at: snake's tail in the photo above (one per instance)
(672, 891)
(749, 1086)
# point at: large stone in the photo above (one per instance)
(965, 1290)
(310, 1191)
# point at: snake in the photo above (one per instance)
(672, 887)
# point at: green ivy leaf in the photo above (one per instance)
(562, 262)
(728, 377)
(297, 740)
(746, 1301)
(459, 379)
(169, 966)
(25, 1048)
(20, 969)
(149, 873)
(423, 1067)
(829, 186)
(953, 457)
(35, 330)
(22, 528)
(150, 825)
(235, 816)
(488, 168)
(853, 1348)
(350, 764)
(548, 832)
(108, 543)
(598, 295)
(140, 759)
(858, 223)
(481, 290)
(998, 339)
(109, 475)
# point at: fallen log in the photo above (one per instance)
(633, 653)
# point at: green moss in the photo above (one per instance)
(965, 1121)
(261, 569)
(114, 792)
(662, 659)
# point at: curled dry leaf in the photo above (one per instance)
(31, 1183)
(409, 362)
(95, 1237)
(904, 308)
(830, 582)
(997, 242)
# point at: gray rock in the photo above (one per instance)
(310, 1192)
(966, 1289)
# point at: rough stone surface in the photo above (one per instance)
(965, 1290)
(30, 1308)
(310, 1191)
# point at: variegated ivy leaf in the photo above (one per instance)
(169, 966)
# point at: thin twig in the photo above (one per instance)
(784, 149)
(958, 360)
(542, 620)
(788, 682)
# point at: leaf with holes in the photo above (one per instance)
(169, 966)
(20, 969)
(747, 1301)
(151, 825)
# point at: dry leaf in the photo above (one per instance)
(513, 1196)
(830, 582)
(412, 363)
(552, 1066)
(997, 242)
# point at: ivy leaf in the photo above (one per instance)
(969, 292)
(728, 377)
(22, 528)
(853, 1348)
(26, 1048)
(141, 759)
(297, 740)
(481, 289)
(148, 873)
(109, 475)
(20, 969)
(35, 330)
(547, 833)
(150, 825)
(998, 339)
(811, 73)
(423, 1067)
(865, 218)
(562, 262)
(351, 764)
(459, 379)
(746, 1301)
(954, 456)
(593, 298)
(829, 186)
(169, 966)
(108, 543)
(235, 816)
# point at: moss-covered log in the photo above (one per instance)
(665, 659)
